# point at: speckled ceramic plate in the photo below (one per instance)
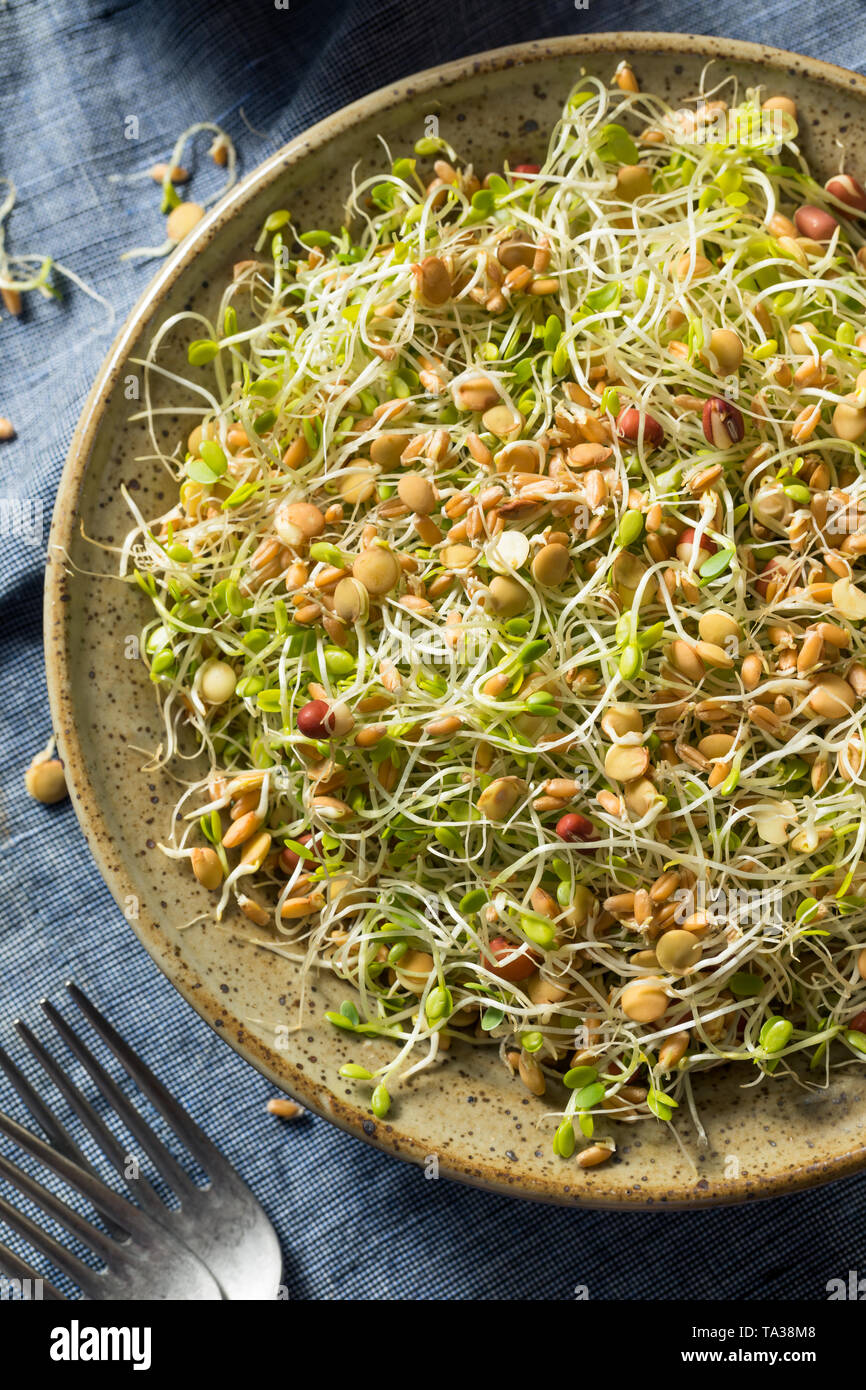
(482, 1125)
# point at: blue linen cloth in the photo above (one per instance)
(353, 1223)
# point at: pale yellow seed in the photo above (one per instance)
(45, 780)
(207, 867)
(217, 682)
(551, 565)
(458, 557)
(626, 762)
(713, 655)
(498, 799)
(640, 796)
(831, 697)
(645, 1001)
(542, 991)
(508, 597)
(256, 850)
(664, 886)
(502, 421)
(351, 601)
(727, 350)
(677, 952)
(387, 448)
(256, 913)
(633, 181)
(620, 720)
(378, 570)
(806, 423)
(330, 808)
(182, 219)
(718, 628)
(441, 728)
(849, 421)
(304, 518)
(697, 270)
(413, 971)
(751, 670)
(358, 486)
(790, 247)
(716, 745)
(686, 660)
(849, 600)
(417, 493)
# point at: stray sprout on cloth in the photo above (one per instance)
(21, 273)
(513, 601)
(183, 216)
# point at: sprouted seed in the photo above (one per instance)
(285, 1109)
(21, 273)
(514, 595)
(44, 778)
(181, 216)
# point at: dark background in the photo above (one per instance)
(353, 1223)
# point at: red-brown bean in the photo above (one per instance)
(815, 223)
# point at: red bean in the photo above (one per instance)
(723, 423)
(858, 1022)
(848, 190)
(524, 964)
(573, 826)
(526, 169)
(815, 223)
(686, 543)
(776, 568)
(315, 720)
(289, 859)
(628, 424)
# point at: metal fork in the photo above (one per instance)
(223, 1223)
(147, 1264)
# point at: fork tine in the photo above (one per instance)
(165, 1162)
(63, 1259)
(193, 1137)
(55, 1206)
(111, 1147)
(48, 1123)
(82, 1107)
(51, 1126)
(127, 1216)
(23, 1271)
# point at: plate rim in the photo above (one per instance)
(490, 1175)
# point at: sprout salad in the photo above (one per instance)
(514, 594)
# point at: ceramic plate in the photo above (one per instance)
(484, 1127)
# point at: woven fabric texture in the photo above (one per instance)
(353, 1223)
